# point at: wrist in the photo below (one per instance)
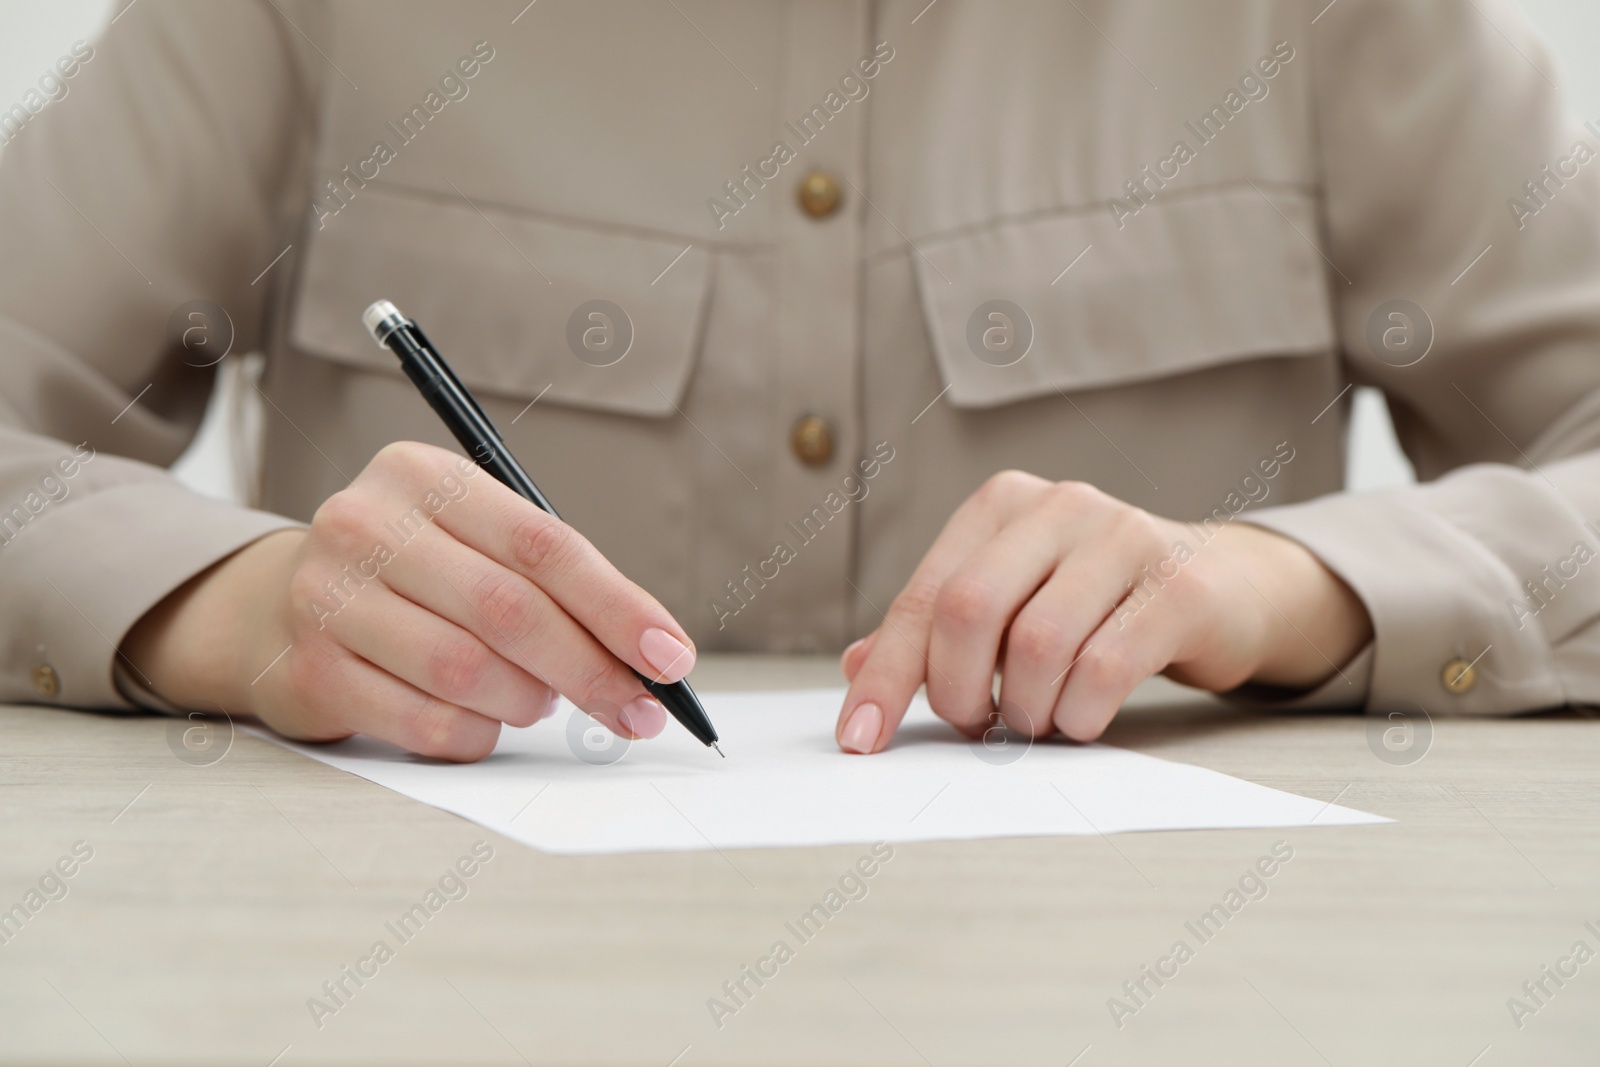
(196, 646)
(1312, 622)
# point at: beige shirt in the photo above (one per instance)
(1196, 219)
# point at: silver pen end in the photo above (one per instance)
(721, 753)
(381, 319)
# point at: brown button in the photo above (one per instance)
(1459, 676)
(46, 681)
(819, 194)
(812, 441)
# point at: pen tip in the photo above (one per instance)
(721, 753)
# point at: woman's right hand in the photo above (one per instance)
(426, 605)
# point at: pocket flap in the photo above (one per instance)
(510, 299)
(1186, 283)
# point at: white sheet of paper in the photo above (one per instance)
(785, 783)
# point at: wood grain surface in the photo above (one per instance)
(221, 897)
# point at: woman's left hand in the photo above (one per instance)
(1075, 598)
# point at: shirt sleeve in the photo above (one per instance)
(1462, 226)
(155, 168)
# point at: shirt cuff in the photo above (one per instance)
(1348, 688)
(76, 580)
(1444, 640)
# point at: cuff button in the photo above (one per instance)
(45, 680)
(1459, 676)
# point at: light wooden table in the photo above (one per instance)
(220, 900)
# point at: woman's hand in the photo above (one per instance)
(1076, 598)
(426, 605)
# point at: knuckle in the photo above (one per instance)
(344, 518)
(407, 459)
(455, 667)
(966, 602)
(305, 589)
(1102, 668)
(1009, 484)
(1036, 640)
(507, 605)
(1135, 525)
(434, 728)
(627, 604)
(917, 600)
(596, 684)
(1077, 497)
(540, 542)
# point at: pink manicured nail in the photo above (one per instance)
(670, 657)
(861, 732)
(644, 716)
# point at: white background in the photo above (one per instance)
(35, 33)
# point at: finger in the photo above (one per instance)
(985, 594)
(1051, 630)
(517, 619)
(897, 663)
(1123, 651)
(623, 617)
(439, 657)
(855, 655)
(339, 689)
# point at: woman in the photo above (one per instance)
(1012, 337)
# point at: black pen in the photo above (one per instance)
(466, 420)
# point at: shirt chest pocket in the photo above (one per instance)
(1077, 301)
(599, 326)
(522, 305)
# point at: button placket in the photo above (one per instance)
(817, 316)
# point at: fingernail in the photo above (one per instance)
(861, 732)
(550, 708)
(670, 657)
(644, 716)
